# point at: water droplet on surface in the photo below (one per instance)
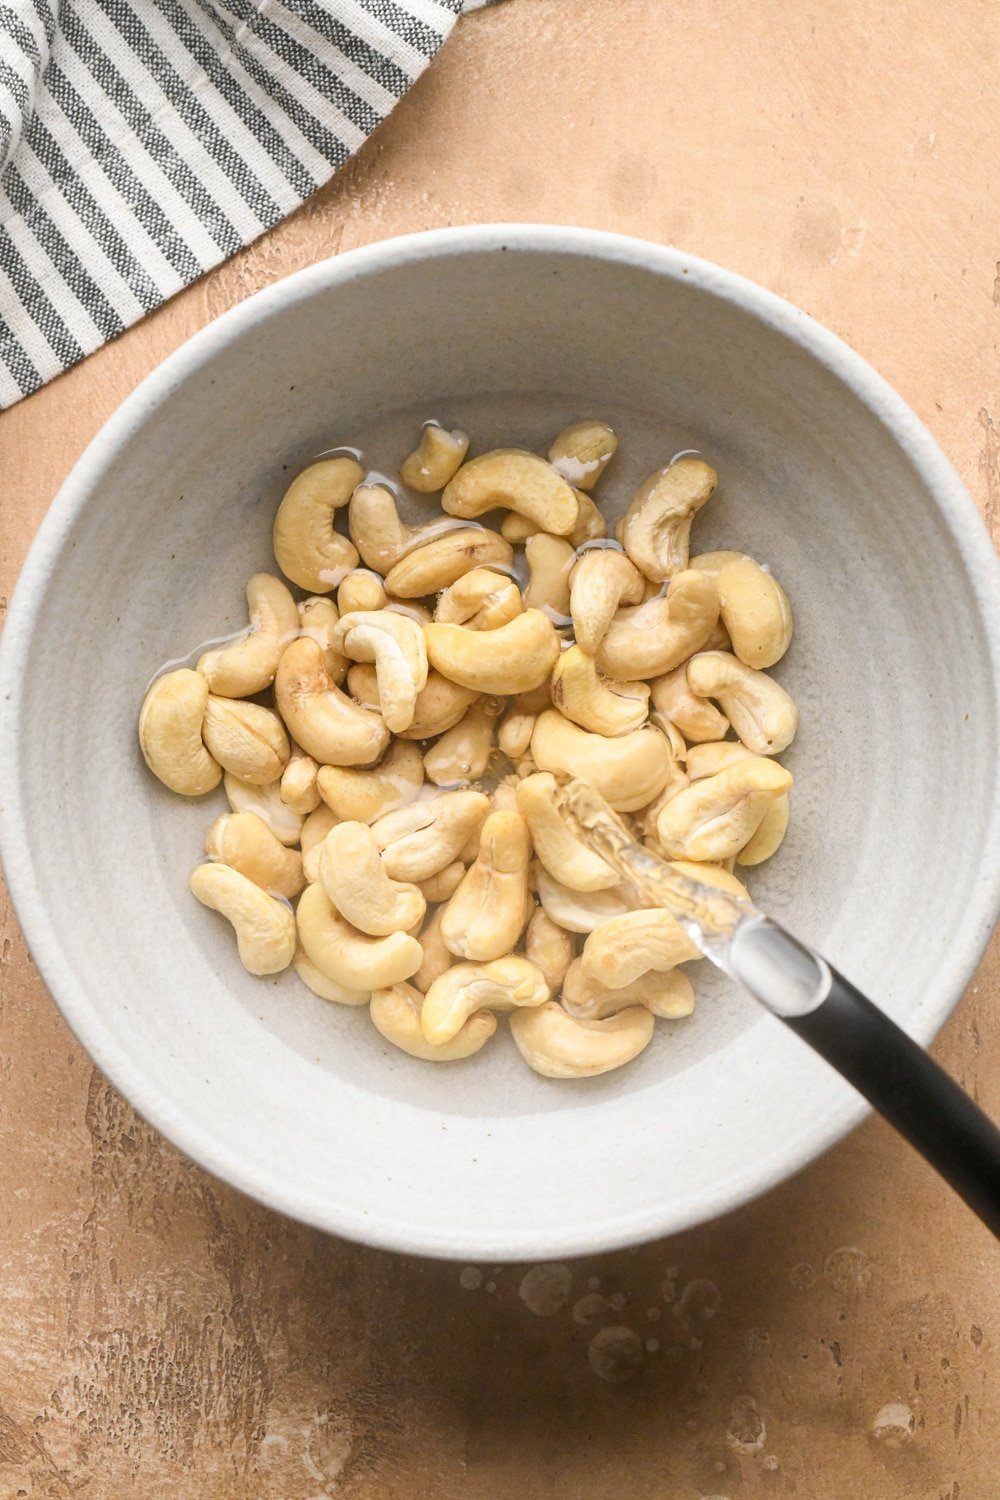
(652, 1345)
(802, 1276)
(847, 1268)
(615, 1354)
(700, 1300)
(545, 1289)
(617, 1301)
(589, 1309)
(471, 1278)
(746, 1432)
(894, 1424)
(593, 1282)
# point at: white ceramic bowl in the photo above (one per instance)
(891, 865)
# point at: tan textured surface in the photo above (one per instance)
(161, 1336)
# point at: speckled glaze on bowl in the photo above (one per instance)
(892, 866)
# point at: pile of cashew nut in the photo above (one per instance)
(391, 759)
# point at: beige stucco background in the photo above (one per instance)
(162, 1336)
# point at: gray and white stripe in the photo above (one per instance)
(144, 141)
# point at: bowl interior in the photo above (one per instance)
(302, 1103)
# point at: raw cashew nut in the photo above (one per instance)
(602, 581)
(589, 526)
(422, 613)
(579, 911)
(770, 832)
(298, 783)
(318, 619)
(503, 798)
(535, 700)
(646, 818)
(504, 984)
(563, 855)
(245, 843)
(326, 989)
(395, 643)
(264, 927)
(486, 915)
(558, 1046)
(656, 528)
(436, 957)
(367, 795)
(284, 822)
(380, 534)
(435, 458)
(590, 523)
(582, 451)
(657, 636)
(668, 994)
(396, 1014)
(514, 734)
(709, 759)
(762, 713)
(678, 746)
(360, 590)
(713, 563)
(170, 728)
(354, 878)
(444, 884)
(628, 771)
(715, 817)
(516, 528)
(329, 725)
(549, 947)
(549, 559)
(480, 600)
(439, 705)
(696, 718)
(622, 948)
(246, 739)
(512, 659)
(633, 942)
(307, 548)
(435, 564)
(350, 957)
(718, 639)
(420, 840)
(756, 613)
(463, 753)
(511, 479)
(314, 830)
(247, 665)
(596, 703)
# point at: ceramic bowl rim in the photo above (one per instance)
(647, 1221)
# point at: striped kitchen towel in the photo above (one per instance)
(143, 141)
